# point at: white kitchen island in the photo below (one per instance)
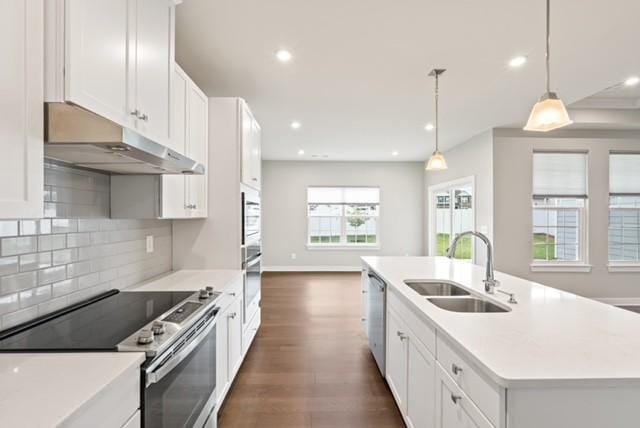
(554, 359)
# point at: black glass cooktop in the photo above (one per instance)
(98, 325)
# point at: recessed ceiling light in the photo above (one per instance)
(295, 124)
(518, 61)
(632, 81)
(300, 152)
(429, 127)
(284, 55)
(394, 153)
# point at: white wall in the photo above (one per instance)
(284, 206)
(471, 158)
(512, 208)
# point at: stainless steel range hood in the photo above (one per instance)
(79, 137)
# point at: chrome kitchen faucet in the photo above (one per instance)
(490, 283)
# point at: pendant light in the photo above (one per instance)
(437, 161)
(549, 112)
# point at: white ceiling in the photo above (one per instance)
(358, 79)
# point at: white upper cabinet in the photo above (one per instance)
(114, 58)
(21, 113)
(197, 149)
(152, 61)
(250, 146)
(172, 196)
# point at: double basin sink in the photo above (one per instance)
(451, 297)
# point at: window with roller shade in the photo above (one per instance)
(559, 207)
(624, 208)
(343, 216)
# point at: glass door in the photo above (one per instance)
(451, 209)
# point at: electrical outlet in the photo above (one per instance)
(293, 256)
(149, 243)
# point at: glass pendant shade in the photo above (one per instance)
(436, 162)
(548, 114)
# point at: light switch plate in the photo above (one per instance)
(149, 243)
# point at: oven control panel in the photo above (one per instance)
(182, 313)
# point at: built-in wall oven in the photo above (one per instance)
(251, 252)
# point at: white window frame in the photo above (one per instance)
(469, 181)
(343, 226)
(581, 265)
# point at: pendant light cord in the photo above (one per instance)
(548, 52)
(437, 124)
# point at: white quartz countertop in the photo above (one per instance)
(549, 338)
(190, 280)
(43, 390)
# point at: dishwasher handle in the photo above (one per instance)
(380, 283)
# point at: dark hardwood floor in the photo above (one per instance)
(310, 364)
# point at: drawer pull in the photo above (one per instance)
(456, 369)
(455, 398)
(401, 335)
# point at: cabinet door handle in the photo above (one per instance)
(135, 113)
(363, 319)
(232, 315)
(455, 398)
(143, 117)
(401, 335)
(232, 294)
(455, 369)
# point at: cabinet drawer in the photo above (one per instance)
(486, 395)
(250, 331)
(454, 408)
(231, 292)
(420, 328)
(111, 407)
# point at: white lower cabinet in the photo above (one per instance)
(425, 393)
(229, 340)
(396, 362)
(421, 376)
(454, 409)
(410, 373)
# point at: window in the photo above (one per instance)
(449, 219)
(559, 208)
(343, 216)
(624, 208)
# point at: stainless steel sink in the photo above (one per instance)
(466, 304)
(436, 288)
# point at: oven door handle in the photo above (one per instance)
(254, 260)
(155, 374)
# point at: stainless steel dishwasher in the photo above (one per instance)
(377, 309)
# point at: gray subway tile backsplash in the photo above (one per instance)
(23, 245)
(76, 251)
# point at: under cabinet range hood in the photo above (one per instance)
(79, 137)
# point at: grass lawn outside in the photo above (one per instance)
(544, 247)
(351, 239)
(463, 250)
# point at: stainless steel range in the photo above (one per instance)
(176, 330)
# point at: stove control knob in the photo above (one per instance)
(158, 328)
(209, 291)
(146, 337)
(204, 294)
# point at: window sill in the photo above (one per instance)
(329, 247)
(560, 267)
(624, 267)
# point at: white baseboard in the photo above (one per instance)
(619, 301)
(311, 268)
